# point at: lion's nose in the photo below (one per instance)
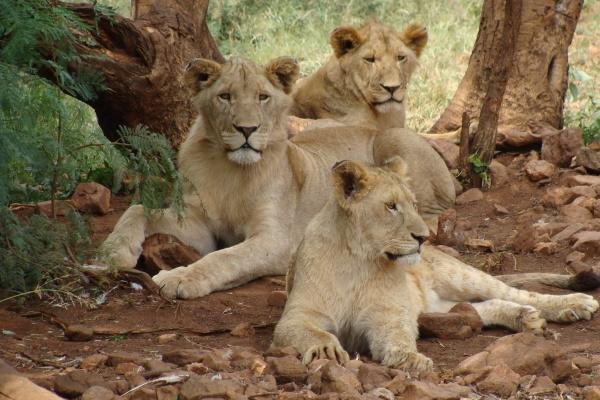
(245, 130)
(390, 89)
(419, 238)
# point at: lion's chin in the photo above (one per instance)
(244, 156)
(387, 106)
(406, 260)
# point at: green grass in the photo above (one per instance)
(262, 30)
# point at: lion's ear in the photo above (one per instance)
(396, 165)
(200, 73)
(351, 181)
(415, 37)
(345, 39)
(283, 72)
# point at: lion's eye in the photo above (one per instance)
(391, 206)
(370, 60)
(225, 96)
(401, 57)
(264, 97)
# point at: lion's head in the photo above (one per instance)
(243, 105)
(377, 62)
(381, 211)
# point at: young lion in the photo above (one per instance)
(362, 276)
(253, 190)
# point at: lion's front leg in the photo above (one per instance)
(259, 256)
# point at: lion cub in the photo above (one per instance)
(362, 275)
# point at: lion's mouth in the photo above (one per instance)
(391, 100)
(403, 259)
(246, 146)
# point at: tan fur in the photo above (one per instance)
(362, 276)
(257, 195)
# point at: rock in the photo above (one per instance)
(167, 393)
(501, 209)
(588, 158)
(79, 333)
(583, 363)
(589, 180)
(277, 298)
(215, 360)
(397, 385)
(288, 369)
(244, 358)
(582, 190)
(373, 376)
(446, 227)
(282, 351)
(470, 314)
(164, 252)
(63, 207)
(542, 385)
(574, 213)
(561, 147)
(500, 380)
(469, 196)
(567, 232)
(596, 208)
(479, 244)
(91, 198)
(499, 174)
(448, 250)
(76, 382)
(420, 390)
(207, 386)
(143, 394)
(338, 379)
(558, 196)
(537, 170)
(444, 325)
(587, 241)
(537, 356)
(119, 357)
(182, 357)
(591, 393)
(94, 361)
(447, 150)
(547, 248)
(243, 329)
(128, 368)
(585, 202)
(157, 367)
(167, 338)
(197, 368)
(574, 256)
(98, 393)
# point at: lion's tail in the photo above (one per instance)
(580, 282)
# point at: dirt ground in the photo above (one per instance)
(132, 320)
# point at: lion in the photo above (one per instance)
(362, 275)
(365, 81)
(251, 191)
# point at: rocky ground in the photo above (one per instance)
(542, 214)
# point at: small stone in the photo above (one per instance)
(586, 191)
(542, 385)
(444, 325)
(206, 386)
(157, 367)
(469, 196)
(338, 379)
(215, 361)
(277, 298)
(76, 382)
(419, 390)
(470, 314)
(182, 357)
(501, 209)
(397, 385)
(591, 393)
(588, 158)
(372, 376)
(167, 392)
(167, 338)
(558, 196)
(164, 252)
(63, 207)
(561, 147)
(499, 174)
(98, 393)
(197, 368)
(119, 357)
(243, 329)
(590, 180)
(537, 170)
(79, 333)
(447, 150)
(282, 351)
(381, 393)
(501, 381)
(288, 369)
(547, 248)
(94, 361)
(574, 256)
(479, 244)
(587, 240)
(144, 393)
(574, 213)
(568, 232)
(128, 368)
(446, 228)
(91, 198)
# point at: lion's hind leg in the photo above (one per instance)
(517, 317)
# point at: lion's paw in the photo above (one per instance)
(576, 307)
(531, 321)
(407, 360)
(330, 351)
(180, 283)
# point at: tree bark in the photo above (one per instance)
(537, 78)
(142, 60)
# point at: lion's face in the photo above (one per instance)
(243, 104)
(381, 210)
(377, 61)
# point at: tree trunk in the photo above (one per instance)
(537, 77)
(142, 60)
